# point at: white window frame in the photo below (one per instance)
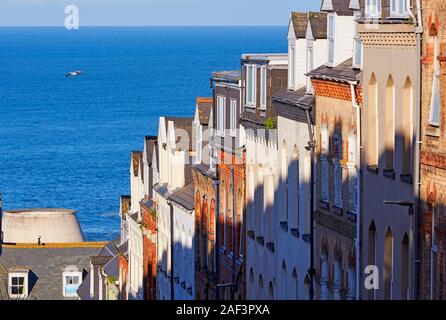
(263, 87)
(331, 31)
(291, 69)
(198, 143)
(221, 115)
(399, 9)
(373, 8)
(18, 275)
(436, 95)
(310, 64)
(233, 114)
(251, 72)
(357, 46)
(71, 274)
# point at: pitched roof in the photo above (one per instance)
(342, 72)
(300, 22)
(184, 197)
(204, 107)
(150, 142)
(341, 7)
(46, 266)
(318, 22)
(182, 123)
(287, 104)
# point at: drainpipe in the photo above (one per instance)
(233, 231)
(358, 191)
(172, 243)
(217, 237)
(416, 163)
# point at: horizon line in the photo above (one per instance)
(145, 26)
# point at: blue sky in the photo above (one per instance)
(153, 12)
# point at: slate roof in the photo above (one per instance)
(204, 107)
(300, 23)
(233, 76)
(292, 104)
(341, 7)
(184, 197)
(342, 72)
(150, 141)
(46, 265)
(318, 22)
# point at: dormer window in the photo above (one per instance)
(398, 8)
(263, 88)
(331, 38)
(291, 69)
(373, 8)
(72, 279)
(251, 85)
(221, 106)
(18, 283)
(357, 48)
(310, 65)
(434, 114)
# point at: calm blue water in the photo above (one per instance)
(66, 142)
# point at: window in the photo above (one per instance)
(263, 88)
(372, 123)
(198, 143)
(291, 71)
(71, 284)
(407, 128)
(221, 106)
(310, 65)
(18, 284)
(233, 127)
(388, 265)
(331, 38)
(357, 58)
(389, 115)
(251, 86)
(373, 8)
(398, 8)
(434, 116)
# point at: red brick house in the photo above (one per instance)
(432, 235)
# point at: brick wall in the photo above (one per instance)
(432, 157)
(149, 252)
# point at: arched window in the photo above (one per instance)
(294, 286)
(324, 274)
(251, 289)
(211, 232)
(325, 147)
(284, 179)
(222, 214)
(388, 265)
(270, 291)
(337, 281)
(372, 122)
(337, 169)
(293, 206)
(269, 203)
(405, 268)
(204, 237)
(406, 128)
(259, 200)
(198, 218)
(283, 281)
(352, 173)
(260, 293)
(389, 116)
(372, 253)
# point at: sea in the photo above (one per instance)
(66, 142)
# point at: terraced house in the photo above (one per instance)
(390, 33)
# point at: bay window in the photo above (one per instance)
(233, 111)
(263, 88)
(331, 38)
(398, 8)
(357, 57)
(221, 104)
(373, 8)
(251, 85)
(291, 71)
